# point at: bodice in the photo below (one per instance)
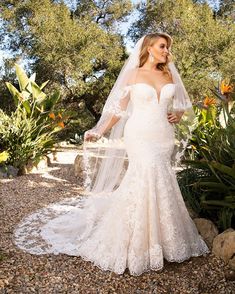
(148, 119)
(145, 101)
(145, 96)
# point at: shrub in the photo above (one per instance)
(208, 182)
(31, 130)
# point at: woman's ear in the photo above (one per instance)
(149, 49)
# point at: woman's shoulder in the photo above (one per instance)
(131, 76)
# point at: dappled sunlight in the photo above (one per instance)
(6, 180)
(65, 157)
(51, 177)
(46, 184)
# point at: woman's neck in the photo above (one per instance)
(150, 66)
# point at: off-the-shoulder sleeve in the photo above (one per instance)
(126, 91)
(119, 105)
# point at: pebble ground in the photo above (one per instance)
(21, 272)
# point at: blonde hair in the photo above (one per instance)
(149, 40)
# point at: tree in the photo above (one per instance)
(77, 50)
(226, 8)
(201, 42)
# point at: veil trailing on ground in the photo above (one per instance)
(105, 160)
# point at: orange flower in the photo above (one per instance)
(52, 115)
(59, 115)
(225, 88)
(209, 101)
(61, 124)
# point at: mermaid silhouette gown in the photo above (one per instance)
(140, 223)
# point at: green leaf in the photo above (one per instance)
(14, 92)
(29, 86)
(223, 168)
(22, 77)
(44, 84)
(213, 185)
(33, 77)
(38, 94)
(27, 106)
(51, 101)
(219, 203)
(230, 198)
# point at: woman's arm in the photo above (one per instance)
(111, 121)
(115, 118)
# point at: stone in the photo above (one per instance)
(224, 246)
(206, 229)
(78, 166)
(43, 163)
(12, 171)
(229, 275)
(32, 167)
(231, 263)
(3, 172)
(8, 171)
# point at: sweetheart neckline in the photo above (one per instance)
(158, 98)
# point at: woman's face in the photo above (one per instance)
(159, 50)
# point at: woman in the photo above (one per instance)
(135, 215)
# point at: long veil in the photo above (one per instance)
(105, 161)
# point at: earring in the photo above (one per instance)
(151, 58)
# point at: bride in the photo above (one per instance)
(132, 214)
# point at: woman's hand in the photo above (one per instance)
(174, 117)
(91, 136)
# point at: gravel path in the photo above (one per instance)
(21, 272)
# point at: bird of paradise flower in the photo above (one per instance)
(58, 118)
(224, 91)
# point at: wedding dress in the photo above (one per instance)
(140, 223)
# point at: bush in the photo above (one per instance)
(24, 138)
(208, 183)
(31, 130)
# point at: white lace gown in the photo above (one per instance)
(140, 223)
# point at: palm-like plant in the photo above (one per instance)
(32, 98)
(213, 153)
(30, 131)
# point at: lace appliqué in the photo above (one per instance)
(115, 107)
